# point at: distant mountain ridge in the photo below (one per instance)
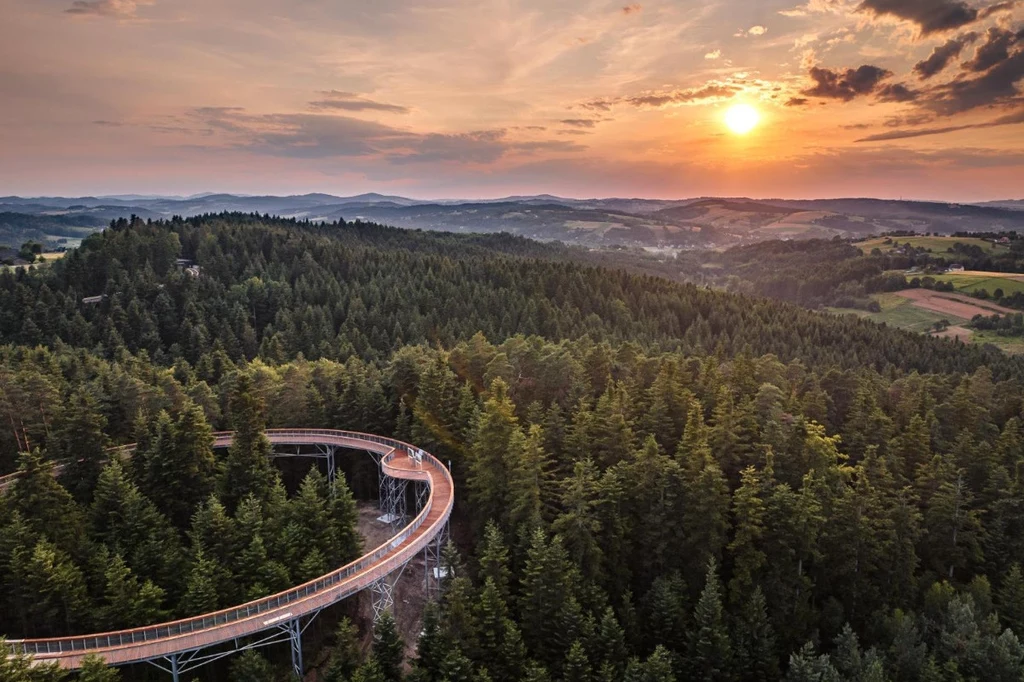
(699, 222)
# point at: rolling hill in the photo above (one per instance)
(690, 223)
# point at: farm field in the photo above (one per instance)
(939, 246)
(48, 257)
(918, 310)
(975, 280)
(947, 304)
(901, 312)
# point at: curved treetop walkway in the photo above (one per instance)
(184, 644)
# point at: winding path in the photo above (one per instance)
(282, 612)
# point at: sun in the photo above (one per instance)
(742, 118)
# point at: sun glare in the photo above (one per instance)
(742, 118)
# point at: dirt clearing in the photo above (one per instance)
(956, 332)
(955, 305)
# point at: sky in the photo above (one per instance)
(484, 98)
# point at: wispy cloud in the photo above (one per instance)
(121, 9)
(714, 91)
(318, 136)
(1010, 119)
(350, 101)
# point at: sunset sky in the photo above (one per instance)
(484, 98)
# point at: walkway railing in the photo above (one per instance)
(368, 568)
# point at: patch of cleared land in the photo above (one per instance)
(956, 332)
(902, 313)
(955, 305)
(939, 246)
(918, 310)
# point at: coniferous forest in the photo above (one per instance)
(656, 482)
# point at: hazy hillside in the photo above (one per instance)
(647, 223)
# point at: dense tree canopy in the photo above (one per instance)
(656, 482)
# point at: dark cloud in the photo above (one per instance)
(846, 85)
(572, 132)
(108, 124)
(104, 8)
(1015, 118)
(797, 101)
(350, 101)
(632, 9)
(994, 50)
(579, 122)
(598, 104)
(931, 16)
(943, 54)
(897, 92)
(999, 7)
(997, 86)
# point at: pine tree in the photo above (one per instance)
(709, 650)
(500, 645)
(527, 480)
(345, 656)
(127, 603)
(310, 513)
(247, 468)
(124, 520)
(201, 595)
(657, 668)
(178, 467)
(494, 561)
(611, 645)
(953, 527)
(1011, 600)
(45, 506)
(548, 587)
(579, 525)
(345, 517)
(577, 665)
(81, 441)
(610, 438)
(251, 666)
(431, 649)
(756, 658)
(807, 666)
(488, 470)
(94, 669)
(705, 518)
(848, 658)
(748, 519)
(388, 648)
(60, 600)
